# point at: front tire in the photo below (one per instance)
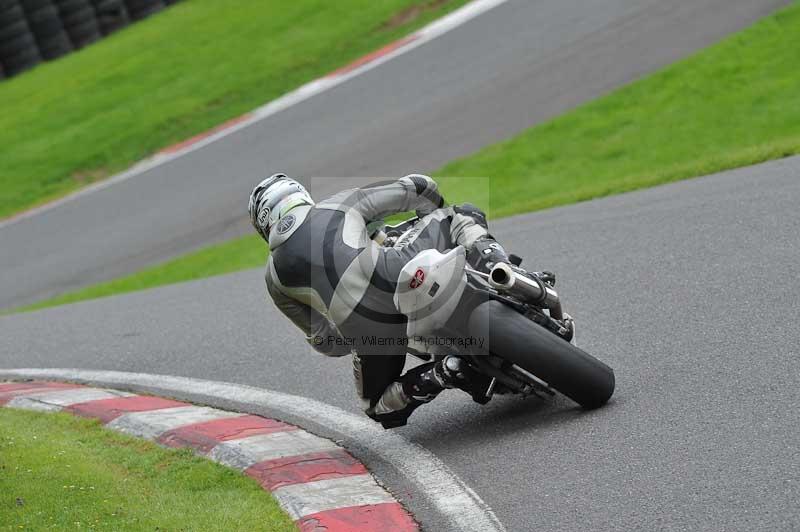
(566, 368)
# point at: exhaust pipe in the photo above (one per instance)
(504, 279)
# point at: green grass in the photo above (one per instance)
(734, 104)
(197, 64)
(59, 472)
(234, 255)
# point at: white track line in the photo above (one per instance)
(420, 37)
(456, 501)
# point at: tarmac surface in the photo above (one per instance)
(689, 291)
(514, 66)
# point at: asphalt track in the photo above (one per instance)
(516, 65)
(688, 290)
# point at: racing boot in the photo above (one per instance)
(459, 374)
(423, 384)
(416, 387)
(450, 372)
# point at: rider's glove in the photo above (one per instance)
(485, 253)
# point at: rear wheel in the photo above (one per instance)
(566, 368)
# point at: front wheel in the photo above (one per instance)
(566, 368)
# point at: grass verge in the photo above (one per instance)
(233, 255)
(195, 65)
(60, 472)
(733, 104)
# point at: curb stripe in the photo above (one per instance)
(9, 391)
(152, 424)
(439, 489)
(320, 485)
(300, 500)
(56, 400)
(107, 410)
(244, 453)
(377, 54)
(23, 386)
(205, 436)
(274, 474)
(388, 516)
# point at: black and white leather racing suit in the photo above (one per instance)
(337, 285)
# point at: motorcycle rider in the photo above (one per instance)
(336, 284)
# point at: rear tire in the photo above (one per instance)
(566, 368)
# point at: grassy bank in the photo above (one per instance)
(734, 104)
(69, 122)
(234, 255)
(65, 473)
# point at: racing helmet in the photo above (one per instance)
(272, 198)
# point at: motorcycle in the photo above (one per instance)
(507, 324)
